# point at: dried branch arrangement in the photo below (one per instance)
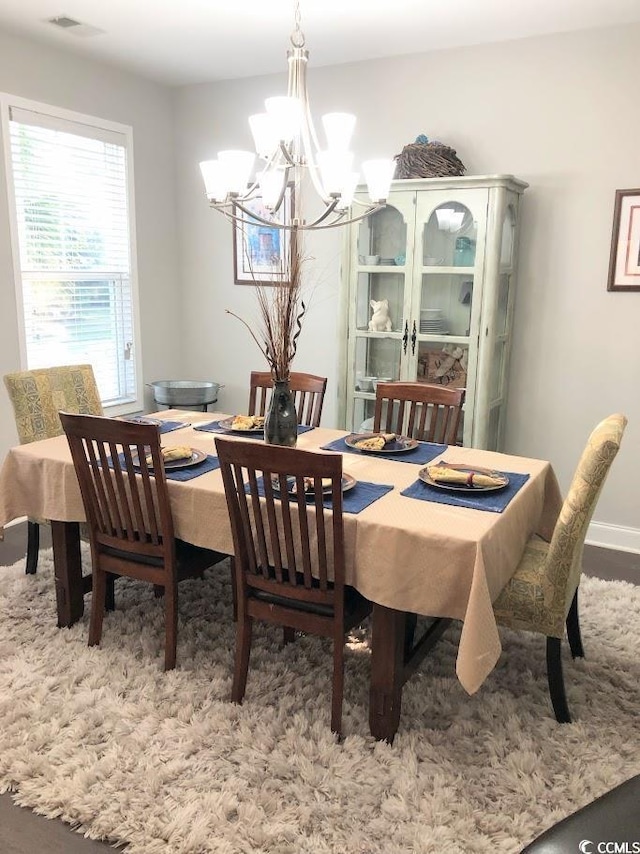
(281, 309)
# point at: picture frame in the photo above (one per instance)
(624, 261)
(261, 253)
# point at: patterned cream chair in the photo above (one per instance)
(542, 596)
(37, 397)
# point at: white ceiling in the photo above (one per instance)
(193, 41)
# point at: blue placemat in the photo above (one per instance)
(214, 427)
(354, 500)
(493, 502)
(211, 463)
(165, 426)
(424, 453)
(169, 426)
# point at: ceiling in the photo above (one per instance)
(179, 42)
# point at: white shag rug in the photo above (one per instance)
(165, 764)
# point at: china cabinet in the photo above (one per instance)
(427, 295)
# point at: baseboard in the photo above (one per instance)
(614, 537)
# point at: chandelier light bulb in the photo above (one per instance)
(214, 178)
(335, 169)
(264, 134)
(378, 174)
(338, 128)
(348, 191)
(285, 113)
(271, 183)
(238, 165)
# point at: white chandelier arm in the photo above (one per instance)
(250, 218)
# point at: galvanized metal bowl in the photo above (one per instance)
(184, 392)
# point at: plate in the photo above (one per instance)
(348, 482)
(196, 457)
(226, 423)
(142, 419)
(400, 445)
(423, 474)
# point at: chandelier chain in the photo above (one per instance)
(297, 36)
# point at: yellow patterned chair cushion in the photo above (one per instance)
(539, 595)
(37, 397)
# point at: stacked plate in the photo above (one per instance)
(431, 321)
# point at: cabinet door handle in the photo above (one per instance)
(414, 335)
(405, 337)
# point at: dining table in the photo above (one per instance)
(412, 548)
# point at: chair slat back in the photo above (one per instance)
(308, 394)
(37, 396)
(281, 535)
(122, 479)
(429, 413)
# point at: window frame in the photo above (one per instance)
(7, 101)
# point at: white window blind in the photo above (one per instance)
(71, 198)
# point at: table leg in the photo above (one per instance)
(68, 571)
(387, 666)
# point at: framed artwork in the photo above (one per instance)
(261, 252)
(624, 262)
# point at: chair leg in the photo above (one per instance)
(33, 547)
(411, 620)
(171, 625)
(338, 685)
(110, 595)
(573, 629)
(288, 635)
(244, 628)
(234, 589)
(556, 681)
(98, 597)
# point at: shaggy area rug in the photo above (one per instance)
(165, 764)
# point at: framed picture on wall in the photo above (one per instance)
(624, 262)
(260, 251)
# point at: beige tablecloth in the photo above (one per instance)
(407, 554)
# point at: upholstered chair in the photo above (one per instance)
(542, 596)
(37, 397)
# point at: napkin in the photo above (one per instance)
(444, 474)
(375, 443)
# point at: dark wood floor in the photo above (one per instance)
(23, 832)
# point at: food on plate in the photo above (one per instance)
(443, 474)
(308, 485)
(375, 443)
(247, 422)
(179, 452)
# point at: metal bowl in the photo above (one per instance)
(184, 392)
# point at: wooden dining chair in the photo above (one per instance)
(126, 503)
(37, 396)
(429, 413)
(289, 551)
(308, 394)
(542, 595)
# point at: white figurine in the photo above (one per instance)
(380, 320)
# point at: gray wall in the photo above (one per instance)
(559, 112)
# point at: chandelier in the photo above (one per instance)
(292, 159)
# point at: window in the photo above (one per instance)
(70, 178)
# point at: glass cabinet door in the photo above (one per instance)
(445, 311)
(379, 307)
